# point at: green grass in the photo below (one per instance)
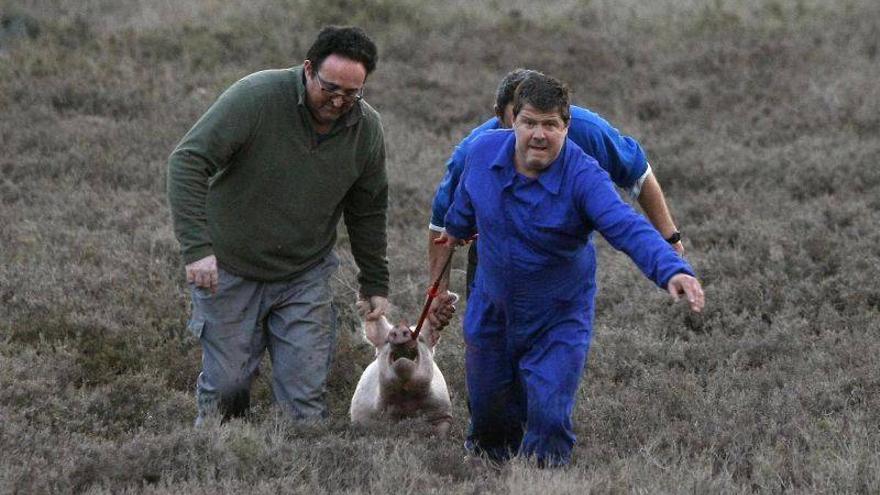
(761, 120)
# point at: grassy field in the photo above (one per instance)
(761, 120)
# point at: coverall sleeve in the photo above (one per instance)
(620, 155)
(461, 220)
(625, 229)
(446, 189)
(366, 218)
(454, 168)
(203, 153)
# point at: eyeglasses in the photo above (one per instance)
(332, 91)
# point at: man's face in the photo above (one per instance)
(539, 139)
(334, 88)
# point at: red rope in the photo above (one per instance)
(432, 294)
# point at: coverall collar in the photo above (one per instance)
(503, 160)
(550, 179)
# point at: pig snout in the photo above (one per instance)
(398, 335)
(401, 344)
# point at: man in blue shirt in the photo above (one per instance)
(621, 156)
(535, 197)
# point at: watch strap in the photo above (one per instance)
(674, 238)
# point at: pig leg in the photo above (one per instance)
(441, 428)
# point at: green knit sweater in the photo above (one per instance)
(251, 184)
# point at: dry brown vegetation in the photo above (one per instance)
(762, 121)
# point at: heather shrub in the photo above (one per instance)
(760, 120)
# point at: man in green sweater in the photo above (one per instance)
(257, 188)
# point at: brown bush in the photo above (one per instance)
(760, 119)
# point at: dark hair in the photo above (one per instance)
(504, 93)
(544, 93)
(347, 41)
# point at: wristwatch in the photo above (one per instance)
(675, 237)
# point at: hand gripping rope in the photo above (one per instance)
(432, 292)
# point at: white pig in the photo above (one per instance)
(403, 381)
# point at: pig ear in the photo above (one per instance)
(376, 331)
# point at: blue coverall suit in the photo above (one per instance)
(619, 154)
(528, 323)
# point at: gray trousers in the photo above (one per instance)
(294, 319)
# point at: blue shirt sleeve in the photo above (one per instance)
(454, 168)
(461, 220)
(625, 229)
(620, 155)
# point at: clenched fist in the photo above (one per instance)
(373, 307)
(203, 273)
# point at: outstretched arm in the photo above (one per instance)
(653, 203)
(624, 160)
(629, 232)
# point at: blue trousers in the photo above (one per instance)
(522, 378)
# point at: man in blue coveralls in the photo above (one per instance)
(620, 155)
(535, 197)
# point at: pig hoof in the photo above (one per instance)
(441, 430)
